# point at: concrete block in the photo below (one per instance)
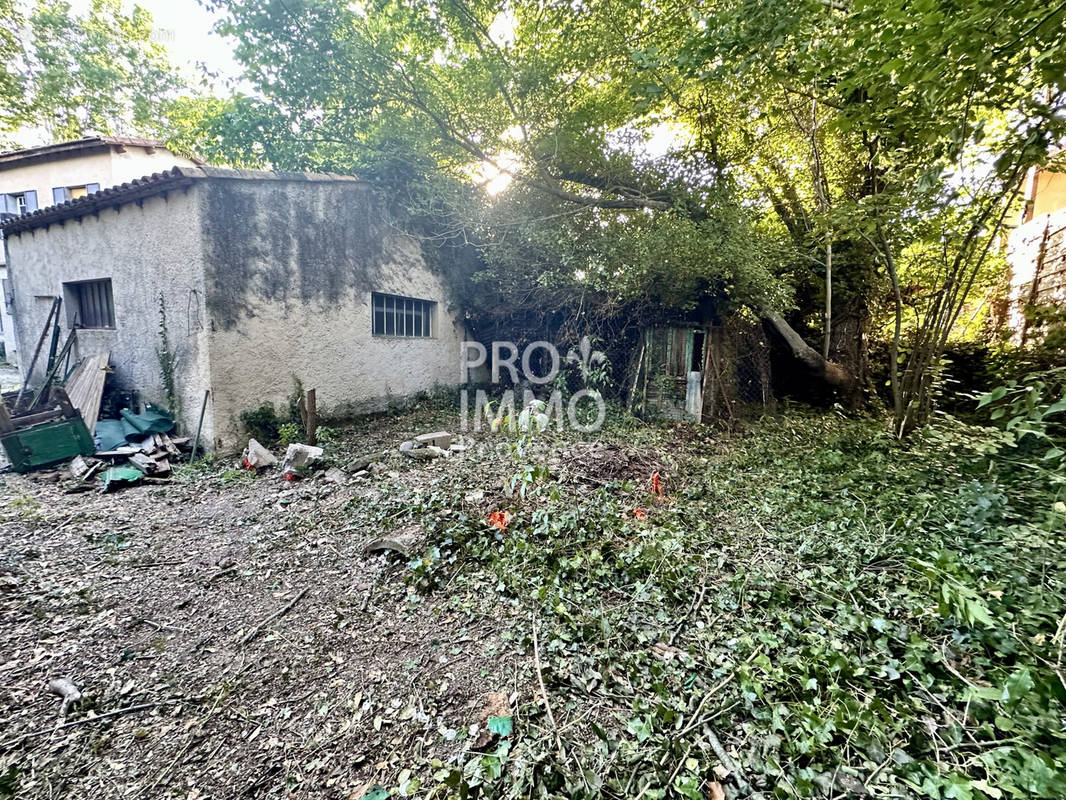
(441, 439)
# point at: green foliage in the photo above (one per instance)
(289, 433)
(262, 424)
(1047, 324)
(327, 435)
(1031, 412)
(168, 362)
(843, 605)
(787, 127)
(74, 73)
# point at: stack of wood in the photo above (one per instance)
(151, 456)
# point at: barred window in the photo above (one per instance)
(92, 303)
(402, 316)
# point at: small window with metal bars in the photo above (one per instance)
(93, 303)
(402, 316)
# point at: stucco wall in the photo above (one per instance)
(107, 168)
(1050, 193)
(290, 267)
(145, 250)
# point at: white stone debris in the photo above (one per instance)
(299, 456)
(257, 457)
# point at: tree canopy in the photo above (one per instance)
(834, 160)
(67, 74)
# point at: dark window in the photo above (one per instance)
(402, 316)
(92, 302)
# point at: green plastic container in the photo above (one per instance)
(47, 443)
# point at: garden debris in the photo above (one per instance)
(405, 542)
(122, 475)
(666, 651)
(336, 475)
(364, 462)
(132, 429)
(148, 452)
(493, 706)
(598, 463)
(152, 420)
(206, 558)
(300, 456)
(226, 566)
(277, 615)
(441, 439)
(428, 446)
(257, 457)
(156, 464)
(426, 453)
(500, 519)
(44, 432)
(65, 688)
(82, 468)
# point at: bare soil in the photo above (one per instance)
(162, 602)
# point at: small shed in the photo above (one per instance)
(247, 280)
(700, 373)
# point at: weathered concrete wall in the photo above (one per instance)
(290, 267)
(145, 250)
(107, 168)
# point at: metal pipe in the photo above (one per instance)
(199, 426)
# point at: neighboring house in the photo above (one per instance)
(1036, 249)
(264, 277)
(43, 176)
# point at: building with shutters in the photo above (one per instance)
(38, 177)
(264, 277)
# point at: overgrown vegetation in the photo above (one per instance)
(168, 362)
(844, 613)
(264, 424)
(842, 170)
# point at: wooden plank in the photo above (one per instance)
(86, 387)
(52, 312)
(24, 421)
(118, 452)
(6, 425)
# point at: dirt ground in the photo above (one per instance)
(242, 639)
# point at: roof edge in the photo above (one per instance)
(152, 185)
(13, 159)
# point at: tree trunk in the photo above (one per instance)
(834, 375)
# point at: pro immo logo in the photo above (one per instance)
(539, 367)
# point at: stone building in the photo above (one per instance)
(264, 277)
(37, 177)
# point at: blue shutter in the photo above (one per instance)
(31, 201)
(59, 194)
(92, 188)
